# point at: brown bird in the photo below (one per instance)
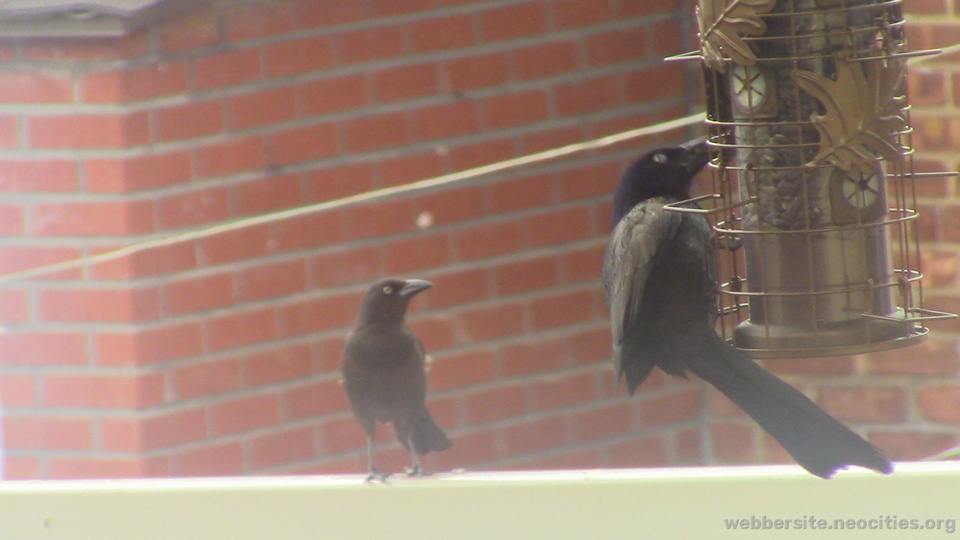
(384, 373)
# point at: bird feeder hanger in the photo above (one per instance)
(812, 175)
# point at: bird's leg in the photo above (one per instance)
(373, 474)
(416, 469)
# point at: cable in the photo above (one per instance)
(355, 199)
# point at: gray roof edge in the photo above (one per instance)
(72, 18)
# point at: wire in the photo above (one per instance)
(355, 199)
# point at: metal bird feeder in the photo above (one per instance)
(809, 120)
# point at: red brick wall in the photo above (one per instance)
(220, 355)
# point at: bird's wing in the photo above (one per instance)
(628, 262)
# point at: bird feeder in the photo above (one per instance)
(809, 121)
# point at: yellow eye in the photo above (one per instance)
(388, 290)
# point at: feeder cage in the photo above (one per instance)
(809, 123)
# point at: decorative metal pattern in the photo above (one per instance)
(723, 22)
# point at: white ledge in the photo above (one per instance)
(597, 504)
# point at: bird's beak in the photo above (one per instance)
(697, 154)
(413, 286)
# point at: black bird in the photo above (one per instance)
(659, 282)
(384, 373)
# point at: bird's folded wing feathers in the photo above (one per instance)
(630, 258)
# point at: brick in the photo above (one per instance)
(491, 322)
(582, 182)
(369, 44)
(138, 173)
(122, 434)
(926, 7)
(230, 68)
(285, 447)
(258, 21)
(231, 156)
(637, 87)
(81, 468)
(437, 333)
(940, 267)
(324, 14)
(734, 443)
(244, 414)
(18, 258)
(177, 257)
(513, 22)
(209, 377)
(666, 39)
(14, 306)
(522, 193)
(240, 328)
(556, 391)
(616, 46)
(560, 226)
(601, 422)
(35, 86)
(103, 391)
(865, 404)
(514, 109)
(375, 132)
(234, 246)
(149, 346)
(564, 309)
(677, 407)
(89, 131)
(411, 167)
(526, 275)
(190, 120)
(454, 206)
(575, 13)
(587, 95)
(389, 8)
(80, 218)
(381, 219)
(480, 71)
(498, 403)
(314, 399)
(313, 315)
(277, 365)
(296, 56)
(579, 265)
(193, 29)
(22, 468)
(12, 220)
(489, 240)
(481, 153)
(304, 143)
(421, 252)
(406, 82)
(446, 120)
(265, 195)
(9, 131)
(442, 33)
(470, 448)
(644, 452)
(308, 231)
(534, 436)
(940, 403)
(262, 108)
(18, 390)
(273, 280)
(174, 428)
(546, 59)
(216, 459)
(912, 445)
(134, 45)
(47, 348)
(331, 183)
(99, 305)
(532, 357)
(134, 84)
(46, 433)
(334, 94)
(461, 370)
(193, 208)
(346, 266)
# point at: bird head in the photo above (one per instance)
(664, 172)
(387, 299)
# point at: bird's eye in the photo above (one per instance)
(388, 290)
(660, 157)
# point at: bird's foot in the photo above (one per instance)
(377, 476)
(416, 470)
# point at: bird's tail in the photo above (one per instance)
(817, 441)
(426, 435)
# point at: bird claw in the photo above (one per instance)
(415, 471)
(377, 476)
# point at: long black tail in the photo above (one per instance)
(427, 436)
(817, 441)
